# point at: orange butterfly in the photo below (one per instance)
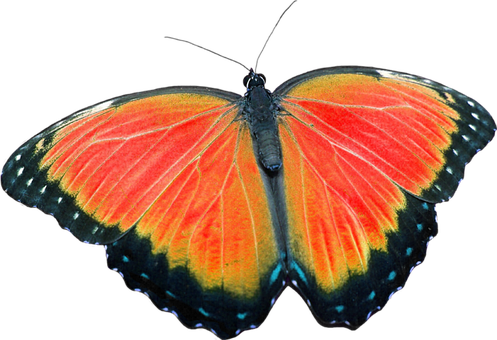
(213, 203)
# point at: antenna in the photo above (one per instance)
(233, 60)
(263, 47)
(189, 42)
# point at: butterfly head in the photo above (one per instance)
(253, 79)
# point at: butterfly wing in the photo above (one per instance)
(168, 181)
(366, 155)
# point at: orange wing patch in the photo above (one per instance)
(181, 170)
(98, 158)
(339, 206)
(400, 127)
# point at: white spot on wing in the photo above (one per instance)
(466, 138)
(43, 189)
(470, 103)
(28, 183)
(99, 107)
(18, 157)
(59, 200)
(386, 74)
(20, 171)
(475, 115)
(472, 127)
(76, 215)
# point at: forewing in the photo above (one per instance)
(366, 154)
(167, 179)
(417, 132)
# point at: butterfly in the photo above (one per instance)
(212, 203)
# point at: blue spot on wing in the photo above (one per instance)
(201, 310)
(300, 272)
(275, 274)
(176, 291)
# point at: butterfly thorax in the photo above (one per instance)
(260, 111)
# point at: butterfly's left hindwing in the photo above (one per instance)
(161, 177)
(366, 154)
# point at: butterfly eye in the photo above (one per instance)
(263, 78)
(246, 80)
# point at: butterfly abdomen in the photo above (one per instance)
(260, 114)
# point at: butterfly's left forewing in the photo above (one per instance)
(167, 179)
(366, 154)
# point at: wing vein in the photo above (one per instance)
(169, 126)
(249, 207)
(68, 146)
(194, 158)
(362, 146)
